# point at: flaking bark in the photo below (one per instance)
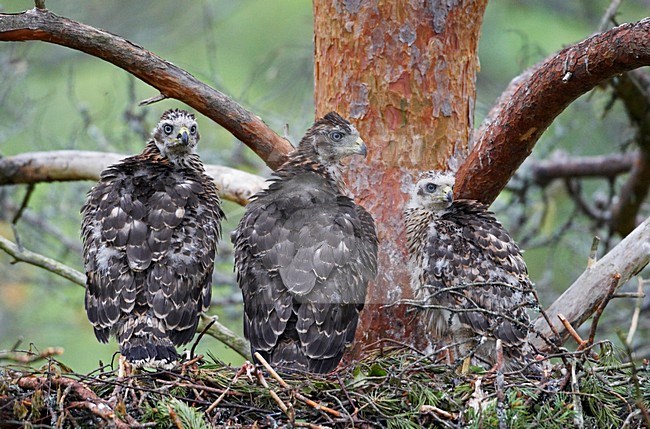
(405, 74)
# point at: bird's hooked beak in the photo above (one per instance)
(184, 135)
(448, 193)
(360, 147)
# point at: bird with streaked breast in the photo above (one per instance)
(468, 275)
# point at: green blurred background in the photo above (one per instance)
(260, 53)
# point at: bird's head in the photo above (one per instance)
(176, 135)
(433, 191)
(333, 138)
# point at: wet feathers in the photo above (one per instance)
(304, 254)
(150, 229)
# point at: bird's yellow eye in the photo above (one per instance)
(431, 187)
(193, 130)
(337, 136)
(168, 129)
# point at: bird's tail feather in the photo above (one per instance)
(143, 343)
(143, 352)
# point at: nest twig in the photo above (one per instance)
(393, 387)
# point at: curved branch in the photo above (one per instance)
(534, 99)
(171, 81)
(586, 294)
(68, 165)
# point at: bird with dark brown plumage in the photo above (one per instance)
(304, 254)
(150, 229)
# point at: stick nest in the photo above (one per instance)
(392, 387)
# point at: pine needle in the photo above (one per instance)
(395, 388)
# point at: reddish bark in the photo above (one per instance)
(171, 81)
(405, 74)
(535, 99)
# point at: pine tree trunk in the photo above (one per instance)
(404, 72)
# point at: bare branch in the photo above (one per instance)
(560, 166)
(24, 255)
(586, 294)
(634, 91)
(89, 399)
(41, 224)
(574, 189)
(217, 330)
(297, 394)
(608, 17)
(225, 335)
(535, 98)
(29, 356)
(171, 81)
(634, 323)
(614, 284)
(68, 165)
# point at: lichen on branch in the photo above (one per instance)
(68, 165)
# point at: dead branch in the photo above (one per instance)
(24, 357)
(535, 98)
(561, 166)
(571, 331)
(586, 294)
(609, 15)
(23, 255)
(297, 394)
(614, 284)
(217, 330)
(89, 399)
(574, 189)
(634, 323)
(633, 193)
(225, 335)
(285, 409)
(171, 81)
(72, 245)
(593, 252)
(68, 165)
(633, 89)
